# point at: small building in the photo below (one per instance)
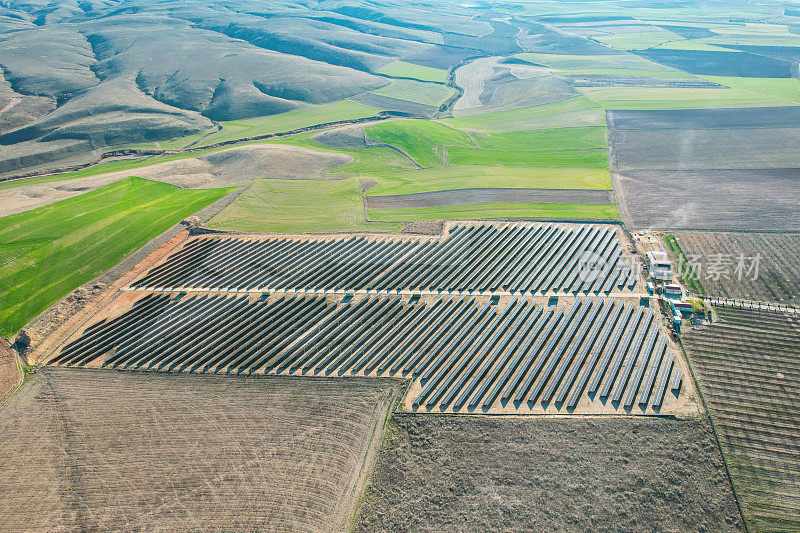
(659, 266)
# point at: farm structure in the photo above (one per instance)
(107, 450)
(754, 266)
(594, 354)
(748, 368)
(475, 258)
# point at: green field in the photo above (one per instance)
(569, 138)
(785, 89)
(291, 120)
(432, 94)
(49, 251)
(675, 98)
(639, 40)
(617, 64)
(576, 111)
(466, 176)
(402, 69)
(498, 210)
(298, 206)
(594, 158)
(422, 140)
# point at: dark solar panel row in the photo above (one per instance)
(464, 355)
(516, 258)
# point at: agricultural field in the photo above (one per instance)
(561, 157)
(282, 122)
(719, 253)
(451, 177)
(741, 200)
(111, 450)
(424, 141)
(552, 474)
(403, 69)
(747, 368)
(432, 94)
(295, 206)
(489, 195)
(48, 251)
(10, 371)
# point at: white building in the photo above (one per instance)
(659, 265)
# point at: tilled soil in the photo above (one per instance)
(486, 195)
(447, 473)
(103, 450)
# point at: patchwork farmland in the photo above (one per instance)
(748, 367)
(594, 355)
(473, 258)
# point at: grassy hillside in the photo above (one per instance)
(422, 140)
(47, 252)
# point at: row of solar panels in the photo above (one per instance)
(478, 258)
(465, 355)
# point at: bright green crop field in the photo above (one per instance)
(422, 140)
(47, 252)
(569, 138)
(594, 158)
(476, 176)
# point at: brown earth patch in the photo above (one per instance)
(449, 473)
(90, 449)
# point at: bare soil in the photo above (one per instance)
(447, 473)
(10, 375)
(744, 200)
(101, 450)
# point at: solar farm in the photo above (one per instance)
(475, 258)
(594, 355)
(489, 318)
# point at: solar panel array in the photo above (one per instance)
(462, 355)
(511, 258)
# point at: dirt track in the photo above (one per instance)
(444, 473)
(98, 450)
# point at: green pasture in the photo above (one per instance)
(619, 64)
(468, 176)
(403, 69)
(496, 210)
(295, 119)
(576, 111)
(785, 89)
(47, 252)
(298, 206)
(432, 94)
(675, 98)
(422, 140)
(594, 158)
(559, 138)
